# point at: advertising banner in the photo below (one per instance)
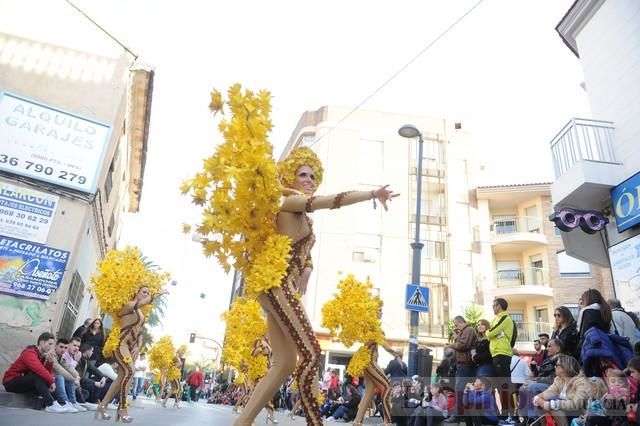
(625, 266)
(30, 270)
(26, 214)
(51, 145)
(626, 203)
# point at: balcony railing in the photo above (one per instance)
(518, 277)
(582, 139)
(528, 331)
(514, 224)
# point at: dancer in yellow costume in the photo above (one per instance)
(237, 188)
(174, 376)
(124, 276)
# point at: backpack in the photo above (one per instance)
(514, 334)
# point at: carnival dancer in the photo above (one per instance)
(124, 273)
(238, 191)
(262, 347)
(174, 376)
(354, 314)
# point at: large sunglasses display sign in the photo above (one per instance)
(588, 221)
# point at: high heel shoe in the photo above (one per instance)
(101, 413)
(271, 418)
(164, 403)
(177, 405)
(126, 418)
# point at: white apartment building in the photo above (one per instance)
(74, 120)
(518, 256)
(362, 153)
(592, 157)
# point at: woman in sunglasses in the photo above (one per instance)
(566, 330)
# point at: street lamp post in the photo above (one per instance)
(410, 131)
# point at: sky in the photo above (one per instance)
(503, 71)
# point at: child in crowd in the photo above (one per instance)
(479, 404)
(595, 412)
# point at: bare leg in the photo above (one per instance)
(283, 362)
(375, 377)
(369, 392)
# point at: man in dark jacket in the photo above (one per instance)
(32, 373)
(396, 369)
(464, 341)
(87, 370)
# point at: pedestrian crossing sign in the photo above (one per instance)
(417, 298)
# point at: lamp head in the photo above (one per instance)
(409, 131)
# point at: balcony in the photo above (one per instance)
(585, 164)
(528, 331)
(514, 234)
(522, 283)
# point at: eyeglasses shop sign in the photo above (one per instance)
(51, 145)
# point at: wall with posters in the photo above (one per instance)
(625, 266)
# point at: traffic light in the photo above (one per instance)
(192, 338)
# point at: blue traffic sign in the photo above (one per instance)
(416, 298)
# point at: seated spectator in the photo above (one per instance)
(569, 392)
(615, 400)
(67, 378)
(520, 374)
(432, 410)
(546, 375)
(330, 404)
(71, 357)
(348, 409)
(32, 372)
(479, 404)
(594, 412)
(88, 372)
(632, 409)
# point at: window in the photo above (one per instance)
(574, 308)
(71, 307)
(108, 183)
(531, 218)
(307, 140)
(112, 223)
(572, 268)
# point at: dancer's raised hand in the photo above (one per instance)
(383, 195)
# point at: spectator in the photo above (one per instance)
(80, 330)
(87, 370)
(347, 410)
(94, 336)
(66, 377)
(32, 373)
(569, 392)
(396, 369)
(520, 374)
(594, 312)
(632, 409)
(622, 324)
(546, 375)
(465, 339)
(326, 381)
(566, 330)
(500, 335)
(140, 368)
(479, 403)
(71, 357)
(195, 383)
(544, 340)
(433, 409)
(481, 353)
(446, 370)
(538, 356)
(335, 381)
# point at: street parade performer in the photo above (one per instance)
(354, 315)
(269, 241)
(126, 288)
(174, 376)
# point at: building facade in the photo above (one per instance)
(362, 154)
(592, 157)
(74, 118)
(521, 259)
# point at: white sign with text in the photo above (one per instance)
(26, 214)
(47, 144)
(625, 266)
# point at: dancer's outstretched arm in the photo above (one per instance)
(301, 203)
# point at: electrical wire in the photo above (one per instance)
(397, 73)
